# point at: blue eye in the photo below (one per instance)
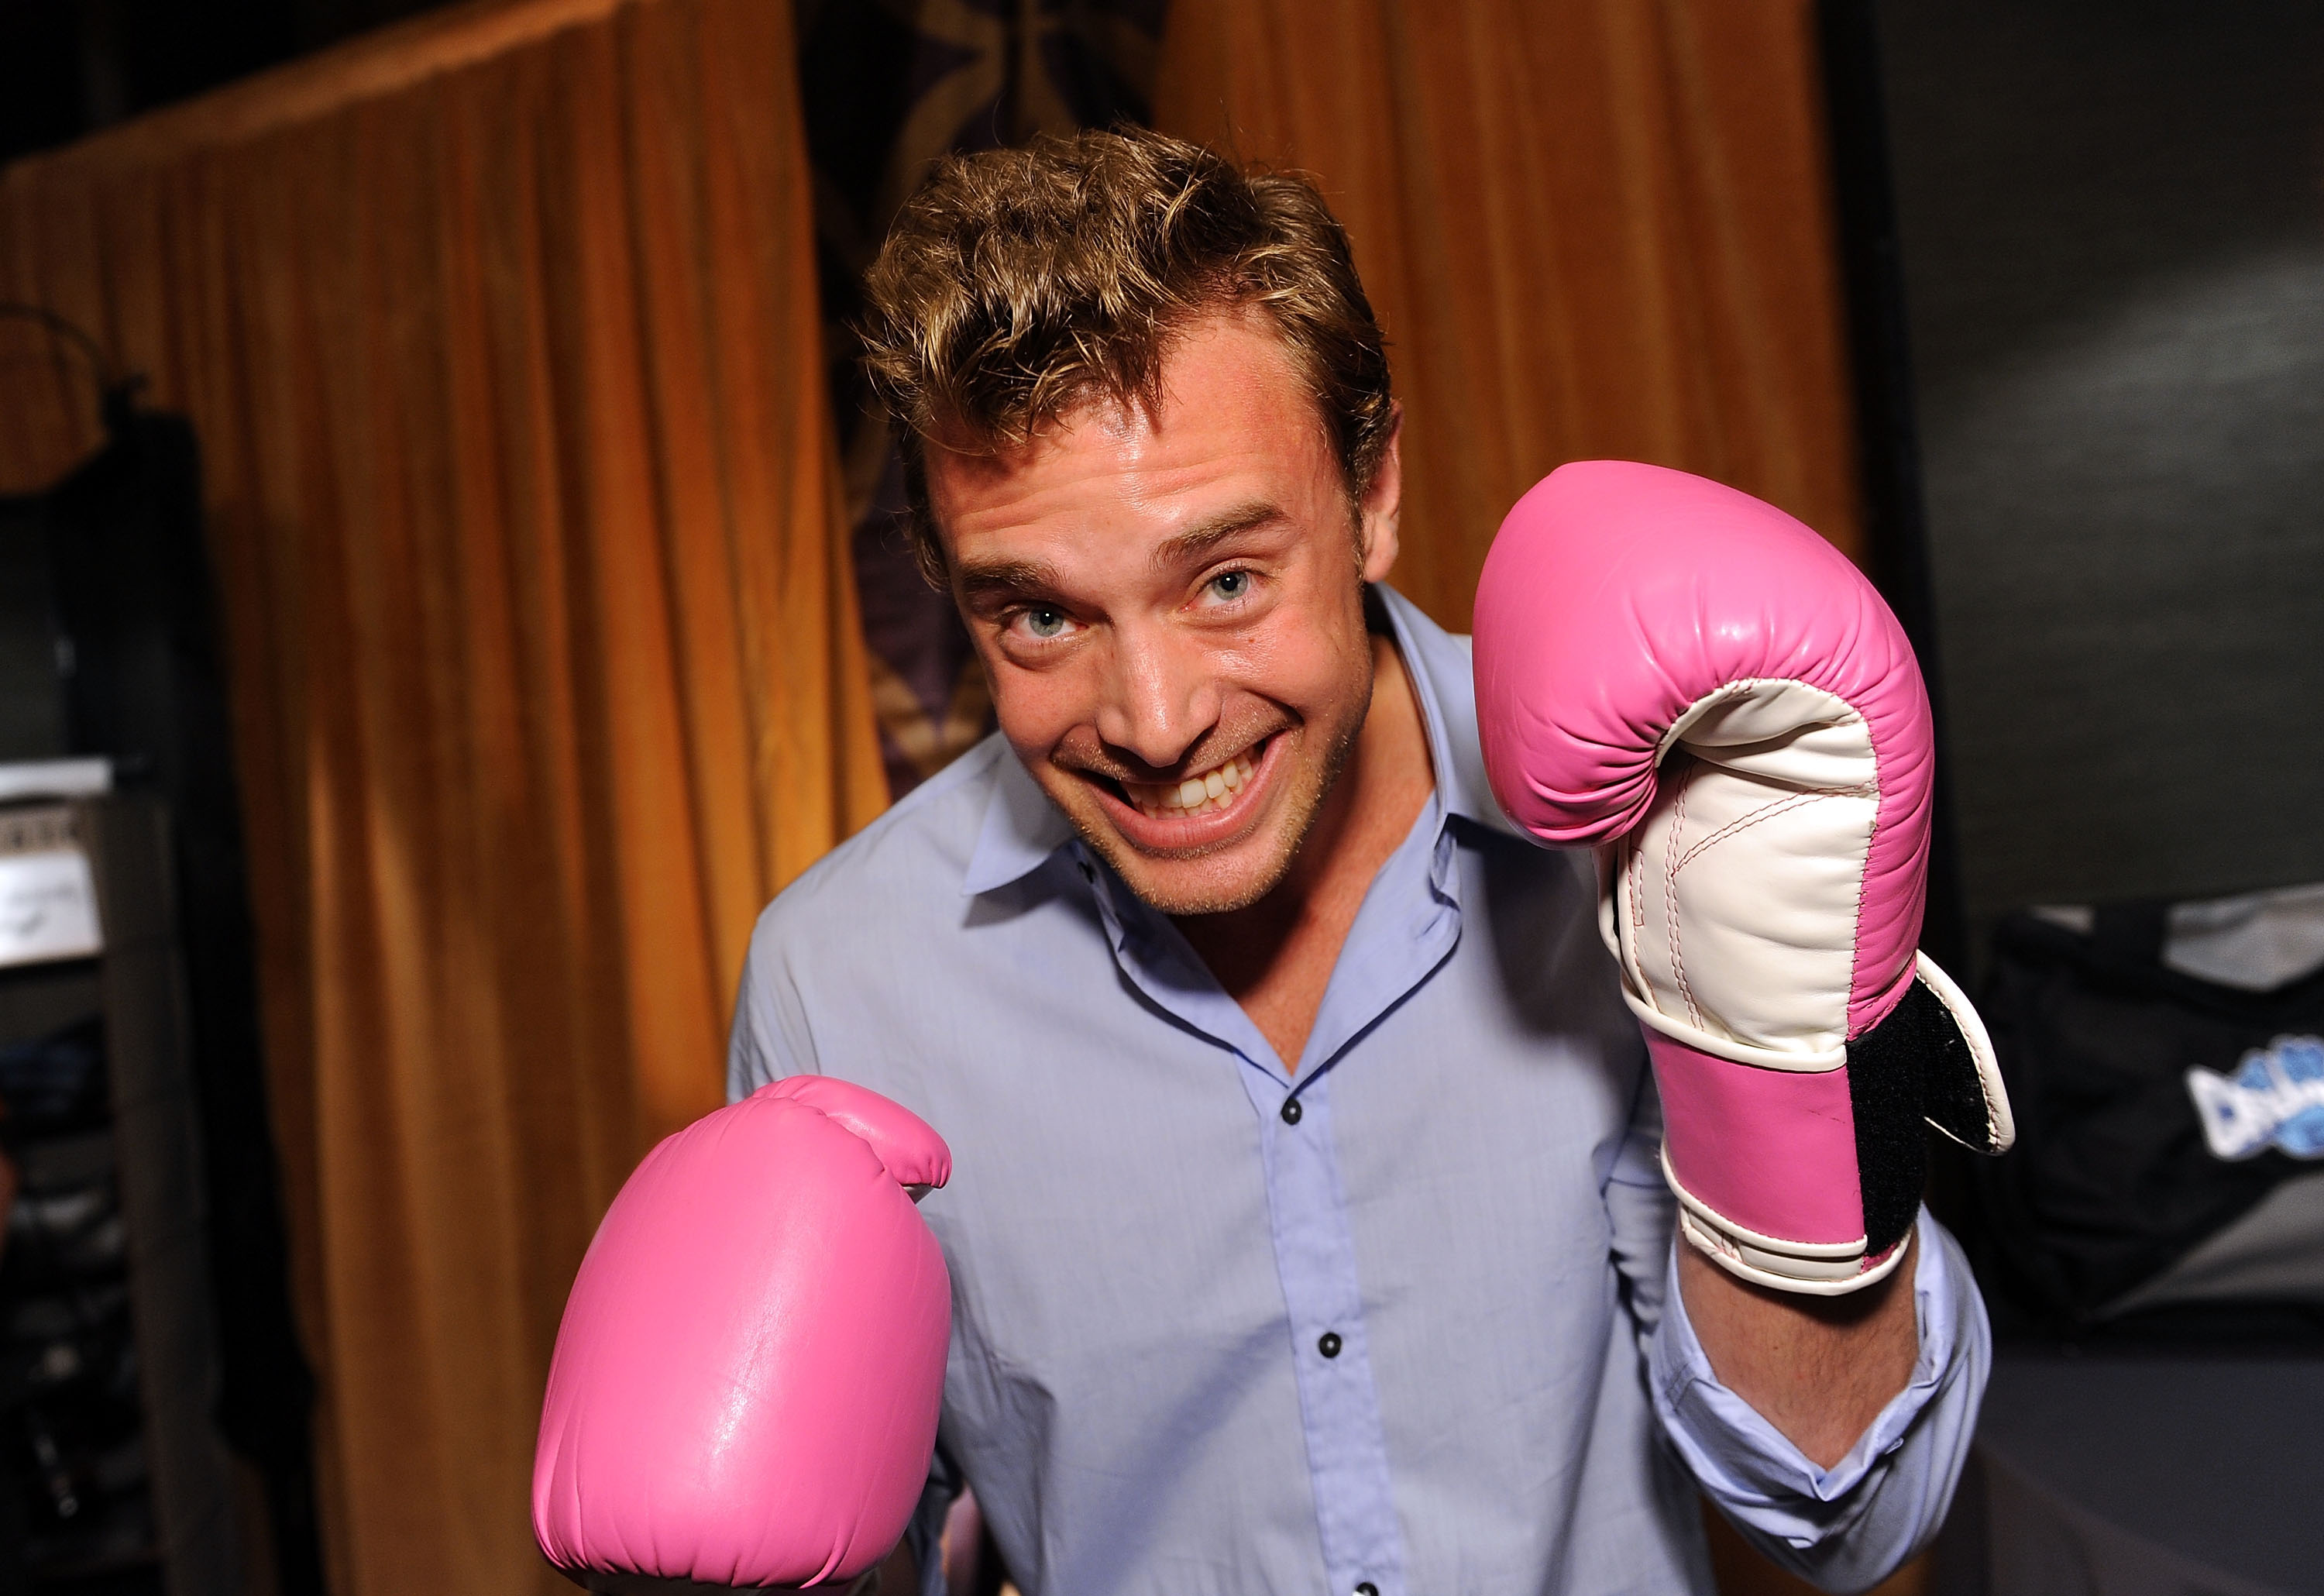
(1231, 585)
(1045, 620)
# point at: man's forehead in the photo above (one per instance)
(1228, 401)
(965, 458)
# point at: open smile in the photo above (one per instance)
(1202, 793)
(1200, 810)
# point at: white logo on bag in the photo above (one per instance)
(2274, 1098)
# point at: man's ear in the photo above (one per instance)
(1380, 514)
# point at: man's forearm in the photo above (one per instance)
(1820, 1369)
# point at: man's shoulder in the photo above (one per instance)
(914, 857)
(862, 965)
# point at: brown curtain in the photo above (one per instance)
(499, 334)
(1592, 228)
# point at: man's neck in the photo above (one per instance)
(1275, 958)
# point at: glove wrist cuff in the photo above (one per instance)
(1809, 1180)
(1800, 1268)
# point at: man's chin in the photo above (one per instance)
(1197, 886)
(1216, 879)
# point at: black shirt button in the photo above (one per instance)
(1368, 1588)
(1329, 1347)
(1292, 1110)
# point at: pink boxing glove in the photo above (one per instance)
(746, 1386)
(1714, 695)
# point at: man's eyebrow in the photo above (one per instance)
(1189, 547)
(1007, 579)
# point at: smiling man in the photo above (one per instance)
(1306, 1231)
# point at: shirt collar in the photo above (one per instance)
(1022, 829)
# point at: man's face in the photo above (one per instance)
(1171, 612)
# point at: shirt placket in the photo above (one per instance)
(1307, 1207)
(1338, 1403)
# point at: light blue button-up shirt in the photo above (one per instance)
(1401, 1319)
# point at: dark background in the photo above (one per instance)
(2109, 220)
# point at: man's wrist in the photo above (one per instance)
(1818, 1369)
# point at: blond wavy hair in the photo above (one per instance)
(1018, 284)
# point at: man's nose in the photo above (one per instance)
(1160, 696)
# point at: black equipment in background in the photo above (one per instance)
(132, 631)
(2172, 1123)
(119, 1477)
(74, 1441)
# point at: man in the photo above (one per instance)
(1306, 1232)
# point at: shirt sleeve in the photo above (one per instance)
(1847, 1526)
(926, 1531)
(770, 1038)
(1641, 1214)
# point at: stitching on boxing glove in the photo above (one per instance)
(1670, 895)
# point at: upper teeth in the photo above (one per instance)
(1196, 795)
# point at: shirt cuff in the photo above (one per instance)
(1756, 1474)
